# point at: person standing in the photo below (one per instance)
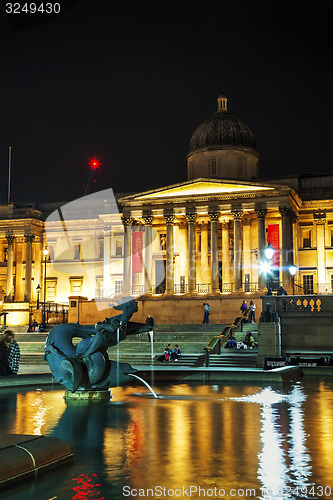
(252, 313)
(4, 366)
(14, 353)
(150, 324)
(207, 310)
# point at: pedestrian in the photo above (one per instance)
(4, 366)
(167, 352)
(252, 313)
(14, 353)
(176, 353)
(243, 307)
(150, 324)
(207, 311)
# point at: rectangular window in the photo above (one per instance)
(76, 285)
(331, 238)
(118, 287)
(306, 238)
(77, 251)
(51, 286)
(101, 250)
(119, 247)
(308, 284)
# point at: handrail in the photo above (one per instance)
(217, 340)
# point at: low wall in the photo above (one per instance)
(164, 310)
(306, 321)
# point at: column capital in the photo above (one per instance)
(147, 219)
(191, 216)
(169, 216)
(214, 216)
(10, 238)
(29, 237)
(285, 211)
(237, 213)
(319, 217)
(261, 213)
(204, 226)
(225, 224)
(247, 221)
(127, 221)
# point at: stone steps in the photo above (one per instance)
(191, 342)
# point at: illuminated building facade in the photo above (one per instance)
(211, 232)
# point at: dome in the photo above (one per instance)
(222, 131)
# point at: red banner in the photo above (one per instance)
(137, 252)
(274, 239)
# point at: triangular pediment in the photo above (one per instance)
(201, 187)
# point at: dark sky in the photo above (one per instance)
(129, 82)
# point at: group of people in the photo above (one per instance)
(247, 311)
(35, 327)
(249, 341)
(9, 354)
(169, 354)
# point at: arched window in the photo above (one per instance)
(192, 170)
(241, 166)
(213, 166)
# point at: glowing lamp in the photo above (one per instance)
(269, 252)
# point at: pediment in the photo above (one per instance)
(200, 187)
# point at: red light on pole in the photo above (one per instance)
(94, 165)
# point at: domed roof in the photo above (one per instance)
(222, 130)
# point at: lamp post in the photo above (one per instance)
(292, 270)
(45, 253)
(38, 289)
(269, 252)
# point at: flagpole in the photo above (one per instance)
(9, 171)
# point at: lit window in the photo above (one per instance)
(77, 251)
(213, 166)
(308, 284)
(306, 238)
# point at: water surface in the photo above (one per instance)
(194, 441)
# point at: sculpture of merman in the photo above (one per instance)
(86, 366)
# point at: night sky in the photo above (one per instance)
(128, 83)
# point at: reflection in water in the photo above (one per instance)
(283, 464)
(199, 435)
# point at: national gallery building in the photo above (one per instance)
(202, 238)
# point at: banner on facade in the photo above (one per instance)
(274, 239)
(137, 252)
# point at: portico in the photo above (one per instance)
(212, 234)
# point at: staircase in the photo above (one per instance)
(136, 349)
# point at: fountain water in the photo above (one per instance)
(144, 382)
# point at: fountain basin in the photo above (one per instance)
(29, 455)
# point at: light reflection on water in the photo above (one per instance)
(227, 437)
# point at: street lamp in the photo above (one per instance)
(269, 252)
(292, 270)
(38, 289)
(45, 253)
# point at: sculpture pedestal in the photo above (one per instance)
(269, 341)
(99, 395)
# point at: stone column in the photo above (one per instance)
(205, 271)
(127, 282)
(28, 266)
(214, 257)
(287, 249)
(169, 264)
(321, 261)
(191, 251)
(237, 215)
(10, 262)
(225, 254)
(247, 262)
(261, 214)
(107, 262)
(147, 253)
